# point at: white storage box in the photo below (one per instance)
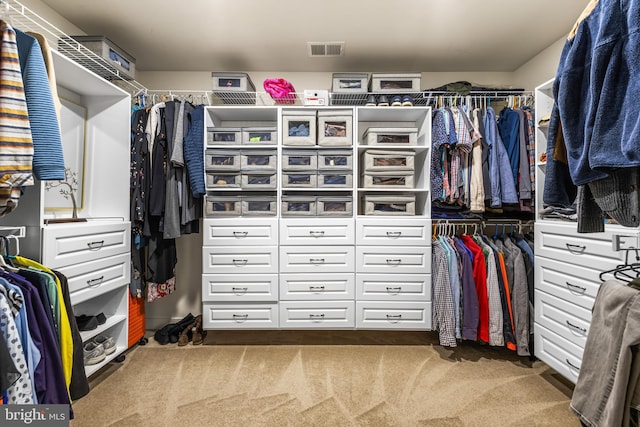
(335, 159)
(316, 97)
(307, 179)
(392, 204)
(259, 135)
(298, 205)
(335, 128)
(266, 160)
(259, 206)
(334, 206)
(299, 128)
(299, 160)
(350, 82)
(395, 82)
(385, 160)
(222, 160)
(232, 82)
(223, 206)
(222, 179)
(388, 179)
(258, 179)
(124, 65)
(335, 179)
(224, 136)
(390, 136)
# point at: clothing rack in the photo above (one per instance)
(147, 97)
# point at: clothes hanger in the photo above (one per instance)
(628, 273)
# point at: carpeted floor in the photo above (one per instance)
(325, 378)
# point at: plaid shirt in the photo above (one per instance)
(443, 315)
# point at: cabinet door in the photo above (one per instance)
(239, 316)
(393, 287)
(393, 315)
(239, 259)
(316, 260)
(329, 286)
(317, 314)
(240, 287)
(393, 260)
(236, 232)
(404, 232)
(324, 231)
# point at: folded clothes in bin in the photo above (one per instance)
(280, 90)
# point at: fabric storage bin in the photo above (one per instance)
(388, 179)
(219, 160)
(395, 82)
(350, 82)
(400, 204)
(259, 135)
(121, 61)
(390, 136)
(335, 159)
(259, 206)
(384, 160)
(335, 128)
(299, 160)
(298, 206)
(299, 128)
(335, 178)
(225, 136)
(258, 179)
(334, 206)
(222, 179)
(258, 159)
(299, 179)
(232, 82)
(223, 206)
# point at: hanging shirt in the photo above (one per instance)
(503, 187)
(470, 297)
(21, 391)
(442, 314)
(480, 280)
(476, 196)
(496, 336)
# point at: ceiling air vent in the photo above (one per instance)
(317, 49)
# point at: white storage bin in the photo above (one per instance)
(391, 204)
(258, 179)
(259, 136)
(232, 82)
(335, 159)
(224, 136)
(219, 160)
(388, 179)
(222, 180)
(395, 82)
(335, 128)
(299, 160)
(259, 206)
(385, 160)
(335, 179)
(298, 205)
(299, 128)
(223, 206)
(334, 206)
(350, 83)
(306, 179)
(258, 159)
(390, 136)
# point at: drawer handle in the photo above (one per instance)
(394, 261)
(576, 248)
(576, 327)
(571, 285)
(316, 288)
(572, 365)
(316, 233)
(394, 289)
(240, 317)
(240, 261)
(240, 234)
(239, 291)
(94, 283)
(394, 318)
(316, 260)
(394, 234)
(95, 246)
(316, 316)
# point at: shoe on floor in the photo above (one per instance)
(108, 343)
(407, 101)
(383, 101)
(396, 101)
(371, 101)
(93, 353)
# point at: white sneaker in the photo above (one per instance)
(93, 353)
(107, 343)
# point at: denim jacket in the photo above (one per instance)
(503, 186)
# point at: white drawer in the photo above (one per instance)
(562, 355)
(562, 317)
(329, 286)
(316, 259)
(325, 231)
(393, 287)
(240, 287)
(594, 250)
(239, 316)
(578, 285)
(245, 231)
(317, 315)
(240, 259)
(405, 232)
(81, 242)
(393, 315)
(393, 260)
(89, 279)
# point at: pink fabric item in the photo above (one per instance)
(280, 90)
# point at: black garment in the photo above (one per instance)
(486, 181)
(158, 170)
(8, 372)
(139, 190)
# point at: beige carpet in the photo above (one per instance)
(354, 378)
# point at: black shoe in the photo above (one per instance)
(101, 318)
(383, 101)
(86, 323)
(171, 332)
(371, 101)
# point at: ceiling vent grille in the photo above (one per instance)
(318, 49)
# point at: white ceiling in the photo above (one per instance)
(272, 35)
